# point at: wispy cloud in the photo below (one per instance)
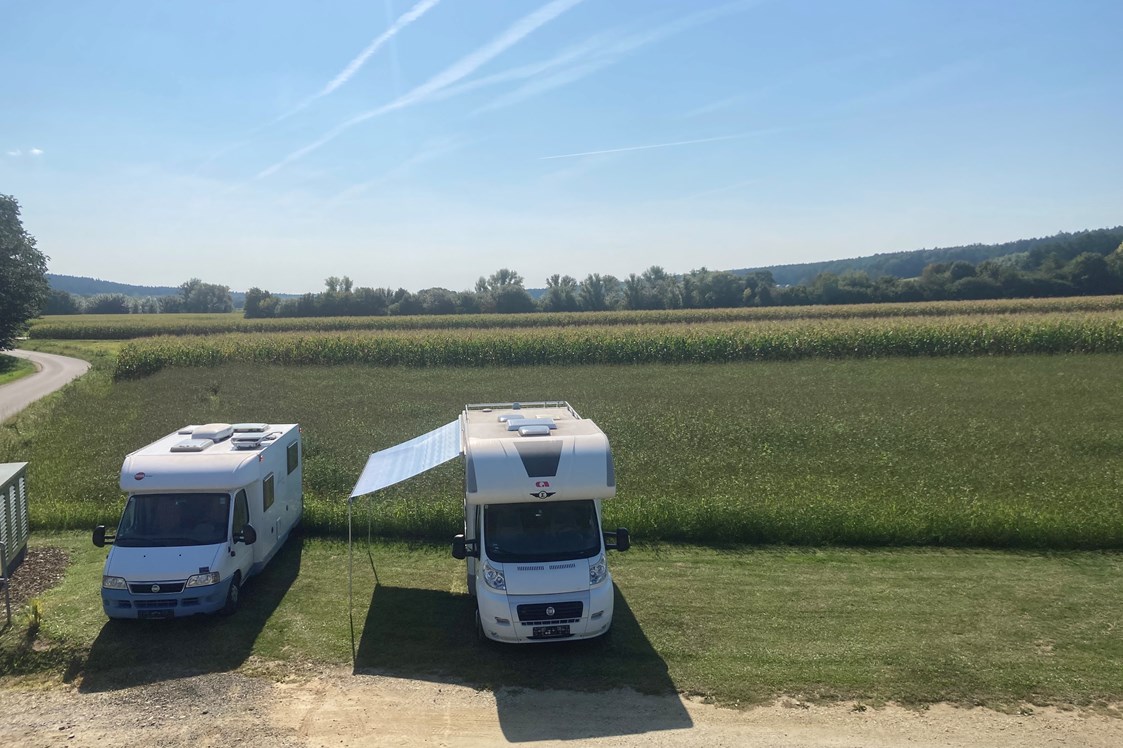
(356, 64)
(15, 153)
(450, 75)
(653, 146)
(353, 67)
(36, 152)
(18, 152)
(601, 51)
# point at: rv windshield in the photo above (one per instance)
(152, 520)
(557, 531)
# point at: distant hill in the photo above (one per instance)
(83, 286)
(910, 264)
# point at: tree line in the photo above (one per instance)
(1049, 274)
(1070, 265)
(194, 296)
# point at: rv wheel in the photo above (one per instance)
(232, 594)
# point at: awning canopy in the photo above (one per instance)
(405, 460)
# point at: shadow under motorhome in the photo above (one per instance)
(208, 507)
(535, 476)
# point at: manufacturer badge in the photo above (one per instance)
(155, 588)
(543, 494)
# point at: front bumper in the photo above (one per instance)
(499, 614)
(191, 601)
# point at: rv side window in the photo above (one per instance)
(267, 493)
(294, 457)
(241, 511)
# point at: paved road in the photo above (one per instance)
(54, 372)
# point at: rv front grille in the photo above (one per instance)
(156, 588)
(540, 613)
(149, 604)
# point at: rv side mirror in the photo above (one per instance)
(462, 548)
(248, 535)
(99, 537)
(623, 540)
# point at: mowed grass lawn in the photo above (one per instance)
(1019, 451)
(740, 626)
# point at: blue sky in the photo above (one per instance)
(421, 143)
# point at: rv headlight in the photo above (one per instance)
(494, 578)
(598, 571)
(202, 580)
(114, 583)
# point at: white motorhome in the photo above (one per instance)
(208, 507)
(535, 475)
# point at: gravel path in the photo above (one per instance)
(332, 707)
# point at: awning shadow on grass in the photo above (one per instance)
(430, 634)
(130, 653)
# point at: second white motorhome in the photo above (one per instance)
(208, 507)
(535, 475)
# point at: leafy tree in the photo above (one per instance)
(406, 303)
(503, 292)
(23, 274)
(437, 301)
(170, 304)
(108, 303)
(371, 302)
(599, 292)
(468, 302)
(260, 304)
(513, 300)
(205, 297)
(561, 294)
(705, 289)
(1089, 273)
(61, 302)
(662, 289)
(144, 305)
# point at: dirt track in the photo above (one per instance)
(335, 708)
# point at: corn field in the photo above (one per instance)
(125, 327)
(774, 340)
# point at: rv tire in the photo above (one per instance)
(480, 636)
(471, 580)
(233, 594)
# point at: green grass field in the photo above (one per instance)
(975, 451)
(740, 626)
(12, 368)
(772, 503)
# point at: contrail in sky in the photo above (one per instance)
(656, 145)
(463, 67)
(356, 64)
(353, 67)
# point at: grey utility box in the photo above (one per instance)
(13, 514)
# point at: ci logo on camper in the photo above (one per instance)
(542, 484)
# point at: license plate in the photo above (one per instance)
(154, 614)
(550, 632)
